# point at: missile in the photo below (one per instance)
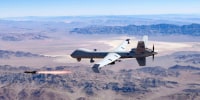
(30, 72)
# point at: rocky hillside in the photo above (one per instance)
(193, 58)
(163, 29)
(83, 84)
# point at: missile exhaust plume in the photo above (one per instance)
(54, 72)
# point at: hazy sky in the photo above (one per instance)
(15, 8)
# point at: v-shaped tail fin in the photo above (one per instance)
(140, 50)
(141, 61)
(140, 47)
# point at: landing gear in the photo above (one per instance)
(91, 60)
(78, 59)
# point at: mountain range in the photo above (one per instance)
(21, 37)
(157, 29)
(6, 54)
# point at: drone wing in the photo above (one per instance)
(122, 46)
(111, 57)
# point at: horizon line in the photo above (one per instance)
(99, 15)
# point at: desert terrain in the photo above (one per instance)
(46, 46)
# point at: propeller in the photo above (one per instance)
(153, 47)
(153, 53)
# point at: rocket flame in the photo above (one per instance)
(54, 72)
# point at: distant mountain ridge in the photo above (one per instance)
(6, 54)
(178, 67)
(21, 37)
(163, 29)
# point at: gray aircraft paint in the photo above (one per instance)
(140, 53)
